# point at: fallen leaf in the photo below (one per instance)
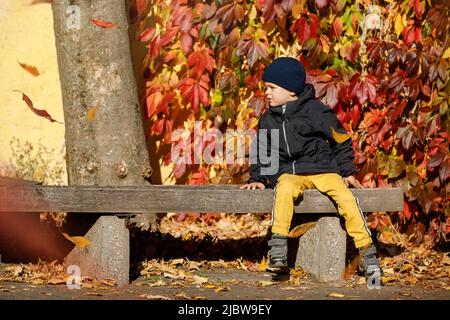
(154, 297)
(97, 294)
(336, 295)
(386, 279)
(80, 242)
(266, 283)
(219, 289)
(31, 69)
(182, 295)
(109, 282)
(56, 281)
(199, 280)
(102, 23)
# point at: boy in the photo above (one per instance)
(314, 152)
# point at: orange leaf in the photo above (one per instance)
(103, 24)
(80, 242)
(300, 230)
(91, 113)
(31, 69)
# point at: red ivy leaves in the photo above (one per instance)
(254, 45)
(229, 14)
(412, 33)
(195, 91)
(200, 61)
(417, 7)
(272, 8)
(306, 27)
(362, 88)
(141, 6)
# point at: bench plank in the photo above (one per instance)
(176, 198)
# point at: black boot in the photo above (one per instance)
(369, 265)
(278, 251)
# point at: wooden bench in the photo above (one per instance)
(321, 250)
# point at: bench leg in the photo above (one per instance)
(321, 250)
(108, 255)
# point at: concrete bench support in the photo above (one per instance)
(322, 249)
(108, 255)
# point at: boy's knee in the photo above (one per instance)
(285, 182)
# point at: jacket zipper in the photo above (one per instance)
(285, 138)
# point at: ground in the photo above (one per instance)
(228, 284)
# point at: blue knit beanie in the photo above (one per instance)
(288, 73)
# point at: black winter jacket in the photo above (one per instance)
(306, 144)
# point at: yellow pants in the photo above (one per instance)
(290, 186)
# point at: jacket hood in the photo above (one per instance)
(293, 106)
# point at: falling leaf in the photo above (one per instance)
(40, 113)
(31, 69)
(80, 242)
(336, 295)
(339, 137)
(300, 230)
(102, 23)
(350, 269)
(90, 114)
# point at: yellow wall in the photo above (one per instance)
(26, 35)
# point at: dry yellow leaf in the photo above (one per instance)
(336, 295)
(387, 237)
(398, 24)
(262, 266)
(386, 279)
(199, 280)
(80, 242)
(266, 283)
(218, 289)
(154, 297)
(446, 54)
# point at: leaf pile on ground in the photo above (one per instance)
(218, 226)
(44, 273)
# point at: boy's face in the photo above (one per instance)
(277, 95)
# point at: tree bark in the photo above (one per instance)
(104, 136)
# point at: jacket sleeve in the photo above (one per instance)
(326, 123)
(255, 163)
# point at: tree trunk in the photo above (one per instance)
(105, 139)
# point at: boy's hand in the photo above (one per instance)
(253, 186)
(351, 181)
